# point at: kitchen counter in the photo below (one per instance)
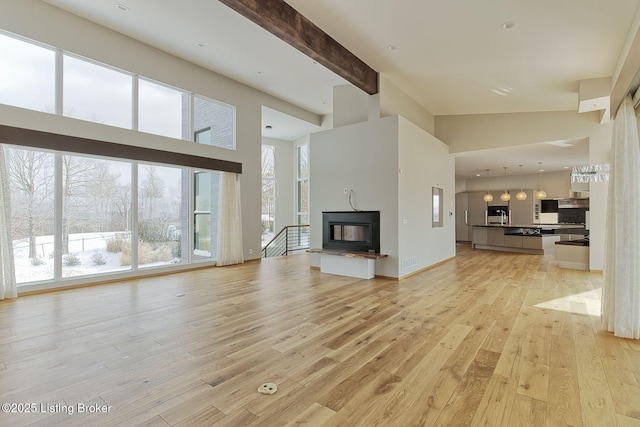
(577, 242)
(548, 228)
(530, 238)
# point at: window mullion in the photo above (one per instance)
(57, 215)
(59, 83)
(133, 240)
(134, 102)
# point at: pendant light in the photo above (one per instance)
(505, 197)
(521, 194)
(488, 197)
(540, 194)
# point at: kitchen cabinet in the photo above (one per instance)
(480, 236)
(495, 236)
(477, 208)
(463, 230)
(470, 209)
(521, 210)
(513, 241)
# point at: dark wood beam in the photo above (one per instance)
(73, 144)
(282, 20)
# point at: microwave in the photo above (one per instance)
(497, 210)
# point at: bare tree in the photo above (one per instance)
(151, 190)
(31, 174)
(122, 205)
(102, 192)
(76, 176)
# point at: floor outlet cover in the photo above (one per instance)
(268, 388)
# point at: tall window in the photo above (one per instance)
(160, 215)
(27, 75)
(96, 93)
(96, 198)
(32, 183)
(302, 199)
(268, 192)
(206, 185)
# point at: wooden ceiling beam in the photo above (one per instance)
(282, 20)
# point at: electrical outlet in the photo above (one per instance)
(346, 190)
(250, 251)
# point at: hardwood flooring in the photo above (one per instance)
(488, 338)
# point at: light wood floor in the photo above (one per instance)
(486, 339)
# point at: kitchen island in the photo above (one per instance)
(573, 254)
(530, 239)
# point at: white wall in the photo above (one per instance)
(39, 21)
(424, 162)
(350, 105)
(483, 131)
(362, 157)
(395, 102)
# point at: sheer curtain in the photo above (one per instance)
(229, 221)
(7, 272)
(621, 293)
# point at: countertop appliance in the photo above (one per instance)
(498, 215)
(549, 211)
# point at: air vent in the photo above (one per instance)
(409, 262)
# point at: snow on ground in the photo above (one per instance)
(85, 246)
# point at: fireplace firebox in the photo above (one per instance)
(351, 231)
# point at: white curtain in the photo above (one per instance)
(7, 272)
(621, 293)
(229, 221)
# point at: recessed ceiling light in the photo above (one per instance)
(122, 7)
(478, 174)
(509, 25)
(392, 47)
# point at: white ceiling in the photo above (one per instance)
(452, 56)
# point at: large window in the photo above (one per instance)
(160, 217)
(75, 215)
(96, 93)
(96, 198)
(102, 94)
(27, 75)
(31, 177)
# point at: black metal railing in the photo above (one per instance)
(290, 239)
